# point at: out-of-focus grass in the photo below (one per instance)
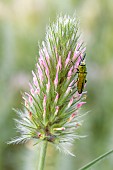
(22, 25)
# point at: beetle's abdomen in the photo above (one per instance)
(81, 82)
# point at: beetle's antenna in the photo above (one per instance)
(82, 58)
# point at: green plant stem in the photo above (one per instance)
(42, 155)
(96, 160)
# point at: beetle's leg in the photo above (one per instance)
(77, 70)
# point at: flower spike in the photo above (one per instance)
(52, 104)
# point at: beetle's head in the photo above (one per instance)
(82, 63)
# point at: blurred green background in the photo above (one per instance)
(22, 25)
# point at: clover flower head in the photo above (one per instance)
(51, 107)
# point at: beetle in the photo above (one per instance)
(82, 72)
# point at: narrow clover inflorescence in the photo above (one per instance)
(51, 109)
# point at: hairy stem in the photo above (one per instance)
(42, 155)
(96, 160)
